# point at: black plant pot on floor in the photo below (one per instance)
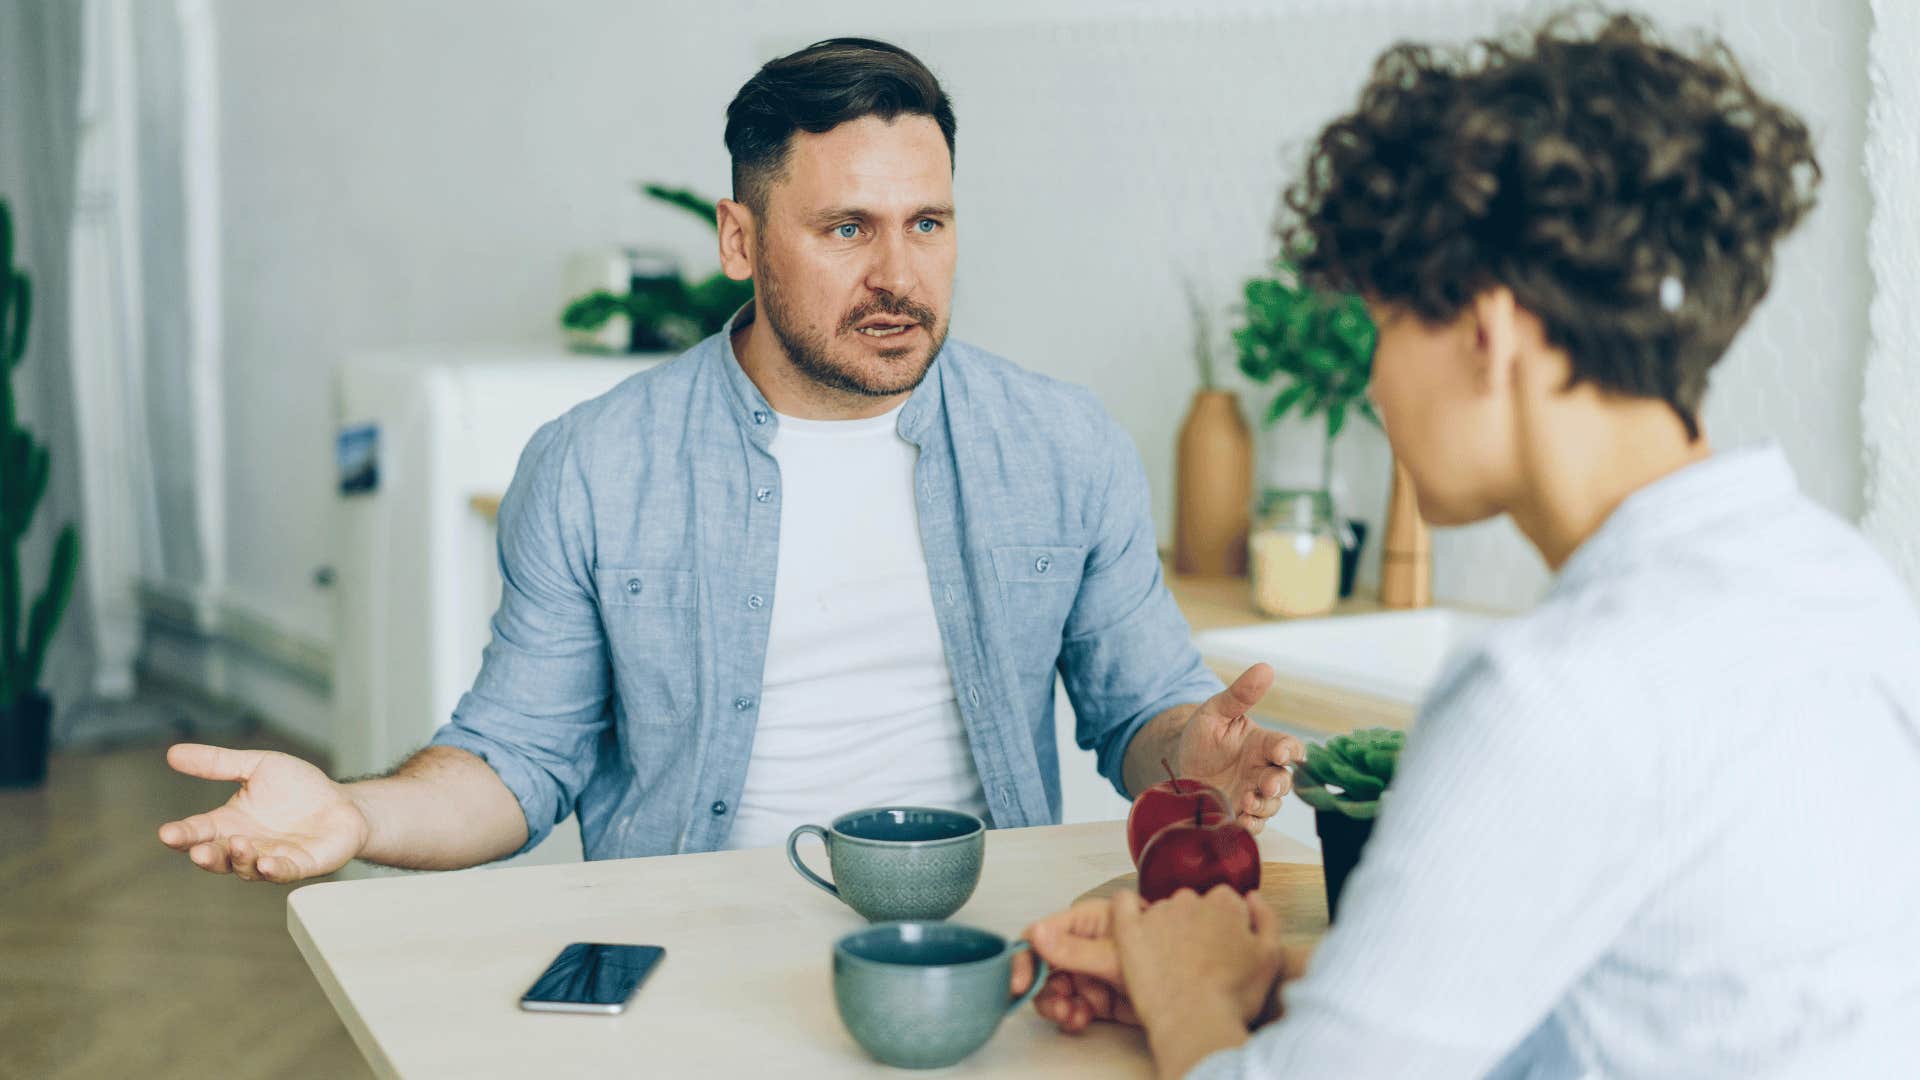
(1341, 839)
(24, 732)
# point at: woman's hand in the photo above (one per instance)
(1197, 970)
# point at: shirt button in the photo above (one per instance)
(763, 495)
(1040, 564)
(949, 594)
(633, 586)
(759, 416)
(973, 695)
(719, 808)
(742, 704)
(756, 602)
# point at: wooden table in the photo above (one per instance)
(427, 970)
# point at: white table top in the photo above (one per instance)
(427, 970)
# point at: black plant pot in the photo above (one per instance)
(1350, 556)
(1341, 839)
(24, 731)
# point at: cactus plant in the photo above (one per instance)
(1359, 765)
(24, 468)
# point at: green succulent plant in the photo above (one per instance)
(679, 312)
(1348, 774)
(24, 470)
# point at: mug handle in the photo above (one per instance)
(793, 856)
(1040, 973)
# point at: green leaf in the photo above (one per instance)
(44, 618)
(19, 315)
(1353, 780)
(591, 312)
(1336, 419)
(697, 205)
(1361, 811)
(1317, 797)
(1283, 402)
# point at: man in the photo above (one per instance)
(1630, 836)
(826, 559)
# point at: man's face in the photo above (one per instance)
(854, 255)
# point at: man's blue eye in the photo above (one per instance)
(928, 225)
(847, 231)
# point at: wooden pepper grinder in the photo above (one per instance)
(1406, 566)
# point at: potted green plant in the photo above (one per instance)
(1345, 779)
(1318, 347)
(664, 309)
(26, 712)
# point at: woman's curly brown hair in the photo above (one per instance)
(1580, 166)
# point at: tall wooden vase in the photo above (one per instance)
(1213, 487)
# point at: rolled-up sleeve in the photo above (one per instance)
(540, 700)
(1128, 653)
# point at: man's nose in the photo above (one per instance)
(892, 270)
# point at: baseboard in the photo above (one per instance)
(240, 659)
(238, 630)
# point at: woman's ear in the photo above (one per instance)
(1496, 338)
(736, 224)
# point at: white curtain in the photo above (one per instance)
(40, 57)
(109, 344)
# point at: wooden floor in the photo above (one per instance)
(119, 958)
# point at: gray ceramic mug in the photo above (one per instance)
(924, 995)
(898, 862)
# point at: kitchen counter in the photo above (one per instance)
(427, 970)
(1302, 705)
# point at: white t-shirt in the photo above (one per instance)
(857, 706)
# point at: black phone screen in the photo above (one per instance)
(594, 976)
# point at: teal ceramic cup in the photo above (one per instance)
(898, 862)
(923, 995)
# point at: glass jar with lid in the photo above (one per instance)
(1293, 554)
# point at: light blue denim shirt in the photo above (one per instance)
(638, 544)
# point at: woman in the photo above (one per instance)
(1661, 825)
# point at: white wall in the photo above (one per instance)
(411, 172)
(1892, 404)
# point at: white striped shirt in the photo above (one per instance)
(1667, 824)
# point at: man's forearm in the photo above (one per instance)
(442, 809)
(1157, 741)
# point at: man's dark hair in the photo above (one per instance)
(817, 89)
(1629, 192)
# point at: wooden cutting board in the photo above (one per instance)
(1297, 891)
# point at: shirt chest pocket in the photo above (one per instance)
(651, 616)
(1039, 583)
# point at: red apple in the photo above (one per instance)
(1168, 802)
(1196, 855)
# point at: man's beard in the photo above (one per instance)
(811, 351)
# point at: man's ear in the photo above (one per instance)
(1496, 338)
(736, 224)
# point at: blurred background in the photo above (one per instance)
(298, 276)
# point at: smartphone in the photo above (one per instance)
(592, 978)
